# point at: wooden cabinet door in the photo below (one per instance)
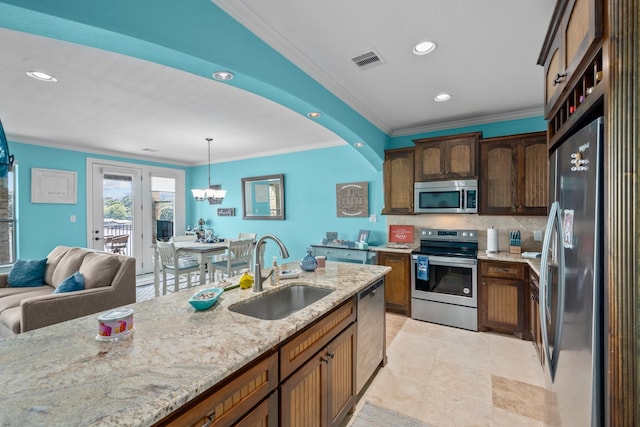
(460, 158)
(534, 316)
(397, 290)
(502, 304)
(398, 181)
(303, 395)
(533, 178)
(429, 161)
(322, 391)
(577, 26)
(263, 415)
(448, 157)
(501, 297)
(513, 175)
(554, 73)
(341, 381)
(498, 176)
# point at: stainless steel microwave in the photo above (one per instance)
(457, 196)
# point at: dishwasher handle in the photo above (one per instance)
(371, 290)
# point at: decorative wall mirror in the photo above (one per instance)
(263, 197)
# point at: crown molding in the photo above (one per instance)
(272, 37)
(493, 118)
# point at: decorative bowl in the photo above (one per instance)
(204, 299)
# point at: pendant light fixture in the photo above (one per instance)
(214, 193)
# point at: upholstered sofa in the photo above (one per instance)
(109, 282)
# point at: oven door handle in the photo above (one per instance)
(453, 262)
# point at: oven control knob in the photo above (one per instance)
(429, 233)
(471, 234)
(464, 234)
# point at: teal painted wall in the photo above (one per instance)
(42, 226)
(310, 179)
(489, 130)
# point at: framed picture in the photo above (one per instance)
(363, 236)
(53, 186)
(352, 199)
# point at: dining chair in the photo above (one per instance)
(175, 265)
(243, 236)
(239, 256)
(117, 244)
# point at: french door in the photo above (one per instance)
(116, 219)
(125, 202)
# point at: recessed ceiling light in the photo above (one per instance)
(424, 47)
(223, 75)
(359, 144)
(39, 75)
(314, 114)
(442, 97)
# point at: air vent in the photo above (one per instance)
(367, 60)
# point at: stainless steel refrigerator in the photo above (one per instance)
(571, 282)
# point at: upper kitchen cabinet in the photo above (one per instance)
(398, 181)
(572, 60)
(447, 157)
(513, 175)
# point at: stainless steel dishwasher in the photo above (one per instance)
(371, 332)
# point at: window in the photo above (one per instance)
(7, 218)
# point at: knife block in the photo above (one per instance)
(515, 249)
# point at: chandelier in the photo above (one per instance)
(214, 193)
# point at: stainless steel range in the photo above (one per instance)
(444, 278)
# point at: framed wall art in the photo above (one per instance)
(352, 199)
(53, 186)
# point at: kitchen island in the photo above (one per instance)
(62, 376)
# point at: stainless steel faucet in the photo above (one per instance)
(258, 280)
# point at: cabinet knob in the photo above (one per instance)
(559, 78)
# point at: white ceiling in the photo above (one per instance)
(110, 103)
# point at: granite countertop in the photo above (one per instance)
(534, 263)
(406, 250)
(62, 376)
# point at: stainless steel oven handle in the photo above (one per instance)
(449, 261)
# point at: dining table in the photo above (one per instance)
(200, 250)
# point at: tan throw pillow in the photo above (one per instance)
(68, 264)
(99, 269)
(53, 259)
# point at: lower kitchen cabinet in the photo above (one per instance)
(322, 391)
(263, 415)
(397, 291)
(232, 402)
(309, 380)
(501, 297)
(535, 332)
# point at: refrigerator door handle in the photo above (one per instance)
(554, 222)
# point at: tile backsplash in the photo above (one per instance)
(526, 225)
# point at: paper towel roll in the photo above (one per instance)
(492, 240)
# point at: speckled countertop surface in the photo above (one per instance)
(534, 263)
(406, 250)
(61, 376)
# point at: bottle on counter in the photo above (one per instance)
(275, 276)
(246, 280)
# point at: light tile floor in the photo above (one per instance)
(451, 377)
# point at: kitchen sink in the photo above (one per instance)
(282, 302)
